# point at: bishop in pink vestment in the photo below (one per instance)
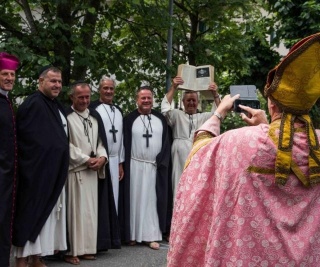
(227, 215)
(237, 204)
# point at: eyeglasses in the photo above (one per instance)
(107, 87)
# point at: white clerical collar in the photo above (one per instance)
(3, 92)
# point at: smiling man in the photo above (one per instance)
(8, 154)
(43, 149)
(184, 124)
(144, 190)
(111, 115)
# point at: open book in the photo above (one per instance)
(195, 78)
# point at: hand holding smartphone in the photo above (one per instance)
(248, 97)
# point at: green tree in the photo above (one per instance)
(86, 39)
(129, 39)
(291, 21)
(50, 32)
(221, 33)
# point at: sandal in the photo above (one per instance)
(89, 257)
(154, 245)
(22, 262)
(36, 261)
(72, 260)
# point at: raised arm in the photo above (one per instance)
(167, 100)
(216, 97)
(175, 82)
(212, 125)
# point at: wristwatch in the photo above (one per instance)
(218, 115)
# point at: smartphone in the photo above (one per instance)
(248, 96)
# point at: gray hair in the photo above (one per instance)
(106, 78)
(73, 86)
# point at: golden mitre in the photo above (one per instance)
(294, 85)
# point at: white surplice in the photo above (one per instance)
(83, 185)
(144, 219)
(53, 235)
(183, 128)
(112, 115)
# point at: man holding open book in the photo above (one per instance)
(184, 123)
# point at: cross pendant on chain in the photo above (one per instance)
(113, 131)
(147, 135)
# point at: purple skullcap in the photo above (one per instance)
(8, 62)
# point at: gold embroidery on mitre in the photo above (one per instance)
(294, 83)
(283, 157)
(282, 169)
(273, 128)
(294, 86)
(314, 150)
(260, 170)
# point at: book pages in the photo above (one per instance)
(196, 78)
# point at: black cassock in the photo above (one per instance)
(43, 160)
(7, 176)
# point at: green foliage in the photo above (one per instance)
(293, 20)
(128, 39)
(315, 115)
(290, 22)
(232, 121)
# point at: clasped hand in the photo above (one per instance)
(95, 163)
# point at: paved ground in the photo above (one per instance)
(127, 256)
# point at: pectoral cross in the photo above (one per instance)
(113, 131)
(147, 135)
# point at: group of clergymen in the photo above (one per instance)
(84, 179)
